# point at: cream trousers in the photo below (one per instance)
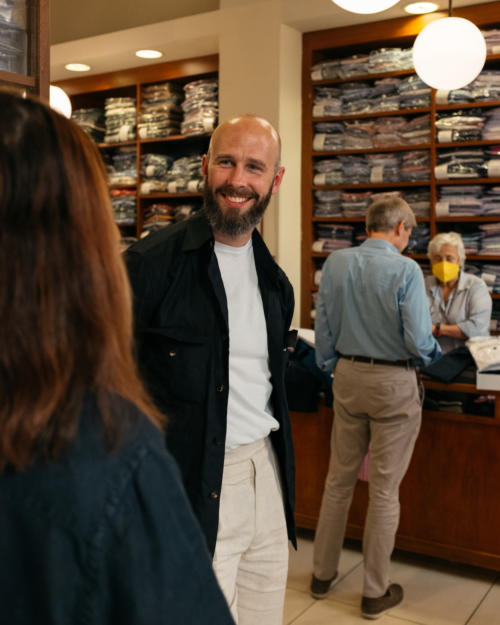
(251, 553)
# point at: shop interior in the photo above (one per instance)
(272, 58)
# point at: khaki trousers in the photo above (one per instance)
(251, 553)
(376, 405)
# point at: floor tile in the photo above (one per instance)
(333, 613)
(300, 564)
(488, 612)
(296, 602)
(439, 593)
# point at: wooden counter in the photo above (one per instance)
(450, 496)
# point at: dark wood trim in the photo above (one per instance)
(157, 72)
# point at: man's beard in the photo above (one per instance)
(231, 222)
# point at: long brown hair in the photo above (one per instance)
(65, 303)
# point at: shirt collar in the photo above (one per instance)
(200, 232)
(380, 244)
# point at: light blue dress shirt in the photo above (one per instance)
(468, 307)
(372, 302)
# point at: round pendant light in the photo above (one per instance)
(449, 53)
(59, 101)
(365, 6)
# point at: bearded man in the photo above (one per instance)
(212, 315)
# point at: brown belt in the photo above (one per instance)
(379, 361)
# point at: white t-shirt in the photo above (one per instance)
(249, 411)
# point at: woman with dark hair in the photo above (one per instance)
(94, 524)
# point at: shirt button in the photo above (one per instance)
(220, 388)
(214, 495)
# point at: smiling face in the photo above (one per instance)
(241, 174)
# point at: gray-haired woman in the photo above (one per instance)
(460, 303)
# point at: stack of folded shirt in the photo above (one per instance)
(491, 129)
(387, 131)
(463, 163)
(327, 203)
(415, 165)
(201, 107)
(419, 239)
(359, 134)
(356, 97)
(91, 120)
(472, 242)
(415, 131)
(385, 95)
(122, 166)
(328, 171)
(161, 113)
(355, 65)
(123, 202)
(384, 167)
(490, 201)
(327, 101)
(492, 38)
(325, 70)
(328, 136)
(389, 60)
(330, 237)
(119, 119)
(355, 169)
(185, 175)
(459, 200)
(490, 239)
(491, 275)
(154, 170)
(482, 89)
(419, 201)
(414, 93)
(461, 125)
(355, 204)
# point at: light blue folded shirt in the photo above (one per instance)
(372, 302)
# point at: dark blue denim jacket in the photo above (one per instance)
(96, 538)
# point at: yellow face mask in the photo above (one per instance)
(445, 272)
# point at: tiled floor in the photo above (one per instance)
(436, 592)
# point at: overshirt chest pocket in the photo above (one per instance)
(176, 360)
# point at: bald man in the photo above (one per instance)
(212, 315)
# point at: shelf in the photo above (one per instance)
(468, 218)
(117, 144)
(461, 144)
(161, 194)
(467, 105)
(129, 186)
(363, 77)
(351, 116)
(372, 185)
(468, 181)
(174, 138)
(17, 79)
(353, 219)
(394, 148)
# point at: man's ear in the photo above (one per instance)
(204, 166)
(278, 177)
(400, 227)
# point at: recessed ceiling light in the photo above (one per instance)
(77, 67)
(149, 54)
(418, 8)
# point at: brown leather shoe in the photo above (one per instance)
(320, 588)
(373, 607)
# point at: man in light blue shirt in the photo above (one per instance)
(373, 327)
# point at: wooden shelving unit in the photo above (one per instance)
(91, 91)
(36, 79)
(344, 42)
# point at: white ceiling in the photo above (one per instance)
(106, 33)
